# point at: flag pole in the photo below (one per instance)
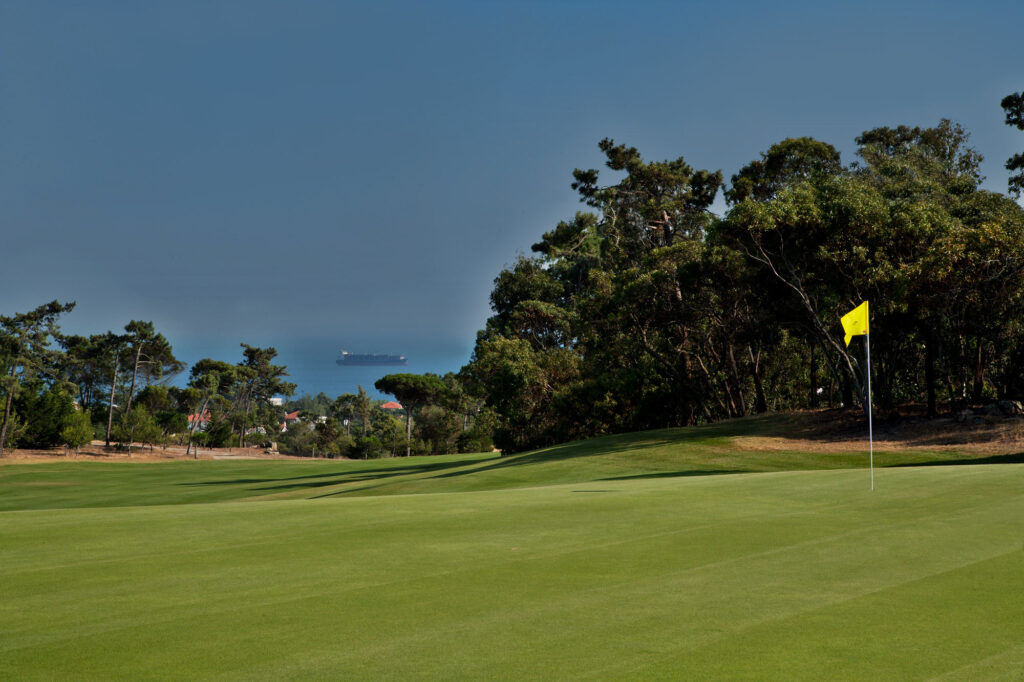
(871, 445)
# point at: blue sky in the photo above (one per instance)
(360, 172)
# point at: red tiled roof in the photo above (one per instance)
(292, 416)
(202, 420)
(391, 405)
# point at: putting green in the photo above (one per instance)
(792, 575)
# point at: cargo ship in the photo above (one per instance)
(346, 359)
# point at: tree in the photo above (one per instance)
(343, 409)
(259, 381)
(349, 405)
(85, 363)
(907, 229)
(363, 406)
(784, 164)
(77, 430)
(413, 391)
(599, 332)
(151, 354)
(209, 380)
(1013, 105)
(439, 427)
(138, 425)
(112, 346)
(25, 352)
(46, 408)
(329, 439)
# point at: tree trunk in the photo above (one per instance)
(979, 374)
(7, 413)
(847, 391)
(929, 374)
(110, 410)
(755, 371)
(131, 391)
(245, 423)
(948, 379)
(408, 429)
(728, 396)
(192, 430)
(812, 371)
(736, 382)
(711, 391)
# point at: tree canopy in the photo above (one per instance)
(649, 311)
(1013, 105)
(413, 391)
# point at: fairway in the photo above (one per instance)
(786, 575)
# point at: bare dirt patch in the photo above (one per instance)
(905, 430)
(97, 452)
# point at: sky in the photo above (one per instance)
(325, 175)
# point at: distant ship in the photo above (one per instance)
(347, 359)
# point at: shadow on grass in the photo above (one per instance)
(611, 445)
(677, 474)
(332, 478)
(1017, 458)
(240, 481)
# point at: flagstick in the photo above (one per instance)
(871, 446)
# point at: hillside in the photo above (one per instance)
(787, 442)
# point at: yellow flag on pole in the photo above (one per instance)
(855, 322)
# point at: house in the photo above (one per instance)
(200, 421)
(290, 418)
(391, 405)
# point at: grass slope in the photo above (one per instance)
(703, 450)
(623, 573)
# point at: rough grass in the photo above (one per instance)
(609, 559)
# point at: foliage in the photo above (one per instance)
(76, 430)
(138, 426)
(26, 357)
(317, 406)
(1013, 105)
(413, 391)
(367, 447)
(652, 312)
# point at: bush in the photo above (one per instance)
(138, 426)
(77, 430)
(219, 434)
(43, 417)
(368, 447)
(472, 441)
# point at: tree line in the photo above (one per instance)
(70, 389)
(439, 417)
(58, 389)
(646, 310)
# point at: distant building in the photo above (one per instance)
(203, 421)
(277, 402)
(290, 418)
(391, 405)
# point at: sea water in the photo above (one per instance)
(311, 362)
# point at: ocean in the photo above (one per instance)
(311, 362)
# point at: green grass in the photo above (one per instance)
(666, 453)
(609, 559)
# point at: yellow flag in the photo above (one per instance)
(855, 322)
